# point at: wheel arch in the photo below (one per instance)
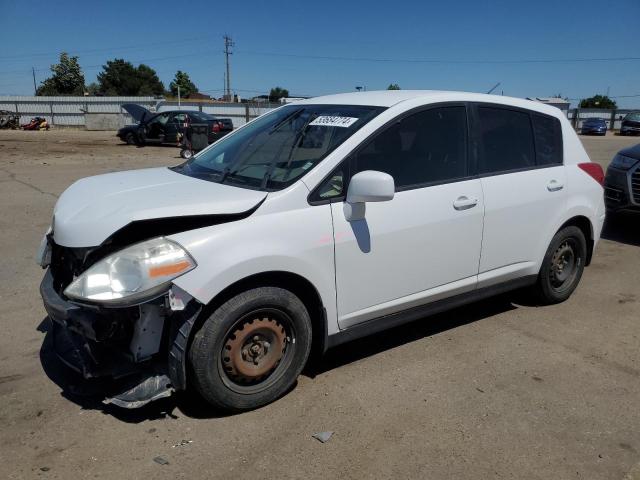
(584, 224)
(295, 283)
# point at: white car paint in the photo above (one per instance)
(93, 208)
(419, 247)
(400, 250)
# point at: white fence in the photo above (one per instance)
(70, 111)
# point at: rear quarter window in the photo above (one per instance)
(548, 139)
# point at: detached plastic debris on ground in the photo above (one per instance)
(322, 436)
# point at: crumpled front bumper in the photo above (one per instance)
(145, 344)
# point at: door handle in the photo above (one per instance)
(554, 186)
(464, 203)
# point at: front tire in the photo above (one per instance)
(562, 266)
(130, 139)
(251, 349)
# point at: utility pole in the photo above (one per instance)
(35, 89)
(228, 43)
(178, 97)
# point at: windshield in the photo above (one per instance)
(277, 149)
(634, 117)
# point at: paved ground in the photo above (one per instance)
(492, 390)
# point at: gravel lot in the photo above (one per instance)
(492, 390)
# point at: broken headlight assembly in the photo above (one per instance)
(133, 275)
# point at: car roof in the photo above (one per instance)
(389, 98)
(186, 111)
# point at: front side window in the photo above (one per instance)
(277, 149)
(507, 140)
(426, 147)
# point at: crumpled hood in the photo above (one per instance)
(93, 208)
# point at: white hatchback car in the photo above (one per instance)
(319, 222)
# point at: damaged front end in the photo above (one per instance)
(142, 342)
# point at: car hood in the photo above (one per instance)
(138, 112)
(94, 208)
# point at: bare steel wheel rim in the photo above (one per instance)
(565, 263)
(257, 350)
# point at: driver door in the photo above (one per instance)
(424, 244)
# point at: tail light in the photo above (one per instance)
(215, 127)
(594, 170)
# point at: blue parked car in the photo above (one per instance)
(594, 126)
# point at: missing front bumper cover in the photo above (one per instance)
(151, 360)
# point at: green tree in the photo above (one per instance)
(119, 77)
(67, 78)
(598, 101)
(277, 93)
(393, 86)
(93, 89)
(182, 80)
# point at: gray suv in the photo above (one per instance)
(622, 182)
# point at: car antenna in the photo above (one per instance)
(494, 87)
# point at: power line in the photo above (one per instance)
(107, 49)
(440, 61)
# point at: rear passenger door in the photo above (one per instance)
(523, 180)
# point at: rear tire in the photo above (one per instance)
(562, 266)
(251, 349)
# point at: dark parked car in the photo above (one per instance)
(594, 126)
(630, 124)
(155, 128)
(622, 182)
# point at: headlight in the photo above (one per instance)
(623, 163)
(135, 274)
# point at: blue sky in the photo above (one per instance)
(456, 45)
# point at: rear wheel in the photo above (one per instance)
(562, 266)
(251, 350)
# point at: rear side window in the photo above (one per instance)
(426, 147)
(507, 140)
(548, 135)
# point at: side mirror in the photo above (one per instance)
(367, 186)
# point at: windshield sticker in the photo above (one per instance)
(331, 121)
(307, 165)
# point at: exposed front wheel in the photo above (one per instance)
(251, 349)
(130, 139)
(562, 266)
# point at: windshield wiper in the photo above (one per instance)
(299, 137)
(291, 116)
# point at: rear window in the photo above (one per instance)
(507, 140)
(200, 117)
(548, 138)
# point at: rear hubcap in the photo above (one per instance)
(253, 349)
(564, 264)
